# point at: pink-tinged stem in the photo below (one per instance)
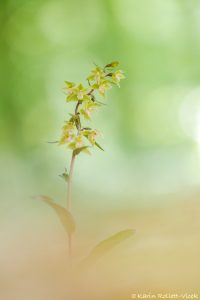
(69, 200)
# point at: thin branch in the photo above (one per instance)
(77, 106)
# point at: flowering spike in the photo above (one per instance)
(74, 136)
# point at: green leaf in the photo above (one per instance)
(79, 150)
(106, 245)
(63, 214)
(96, 144)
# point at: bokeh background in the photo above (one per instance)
(148, 178)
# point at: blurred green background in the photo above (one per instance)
(151, 125)
(148, 178)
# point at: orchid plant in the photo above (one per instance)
(79, 138)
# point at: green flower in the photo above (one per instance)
(68, 133)
(104, 86)
(117, 76)
(87, 108)
(91, 135)
(77, 92)
(68, 127)
(77, 142)
(96, 75)
(82, 92)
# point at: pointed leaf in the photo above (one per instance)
(64, 176)
(96, 144)
(106, 245)
(63, 214)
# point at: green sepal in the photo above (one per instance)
(113, 64)
(95, 86)
(86, 98)
(71, 97)
(81, 149)
(69, 84)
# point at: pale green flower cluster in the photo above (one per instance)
(74, 135)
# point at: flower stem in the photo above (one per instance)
(69, 187)
(69, 181)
